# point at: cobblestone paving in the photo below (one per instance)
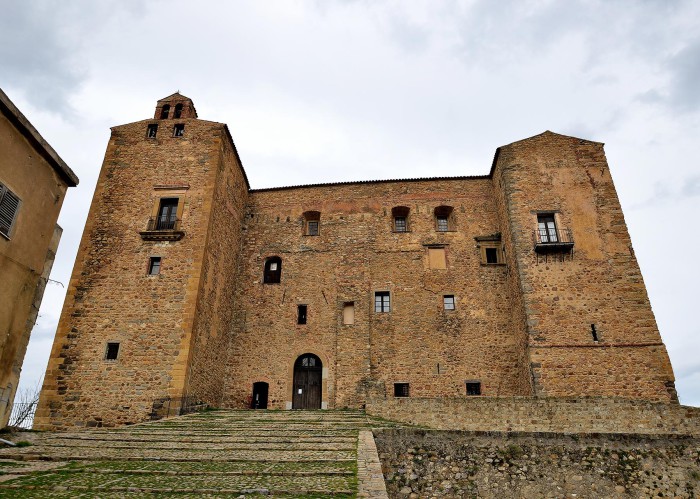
(214, 454)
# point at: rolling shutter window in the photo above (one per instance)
(9, 203)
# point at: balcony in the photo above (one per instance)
(553, 240)
(162, 229)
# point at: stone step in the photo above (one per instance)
(168, 437)
(212, 446)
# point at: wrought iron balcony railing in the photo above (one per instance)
(549, 240)
(163, 229)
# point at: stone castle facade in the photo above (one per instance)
(189, 286)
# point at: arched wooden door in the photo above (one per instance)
(307, 382)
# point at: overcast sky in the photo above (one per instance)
(322, 91)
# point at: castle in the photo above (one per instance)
(191, 287)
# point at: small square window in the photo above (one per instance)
(473, 388)
(301, 314)
(179, 130)
(400, 224)
(401, 390)
(312, 228)
(382, 302)
(152, 131)
(154, 265)
(112, 351)
(491, 255)
(449, 302)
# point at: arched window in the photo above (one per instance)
(399, 216)
(312, 223)
(178, 111)
(165, 112)
(443, 219)
(273, 270)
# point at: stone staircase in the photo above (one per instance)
(210, 454)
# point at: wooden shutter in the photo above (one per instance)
(9, 204)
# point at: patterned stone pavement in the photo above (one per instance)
(211, 454)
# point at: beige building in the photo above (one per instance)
(33, 184)
(190, 286)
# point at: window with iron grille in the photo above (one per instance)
(473, 388)
(443, 218)
(399, 216)
(382, 302)
(9, 207)
(112, 351)
(401, 390)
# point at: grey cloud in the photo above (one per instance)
(685, 66)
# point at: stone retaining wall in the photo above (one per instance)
(419, 463)
(567, 415)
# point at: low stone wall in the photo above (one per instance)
(563, 415)
(435, 463)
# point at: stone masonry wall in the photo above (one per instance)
(597, 284)
(215, 318)
(356, 254)
(527, 414)
(111, 298)
(419, 463)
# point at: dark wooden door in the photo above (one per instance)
(259, 400)
(307, 382)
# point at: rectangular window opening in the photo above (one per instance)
(436, 258)
(449, 302)
(382, 303)
(401, 390)
(400, 224)
(154, 265)
(9, 207)
(491, 255)
(179, 130)
(547, 228)
(152, 131)
(442, 224)
(112, 351)
(301, 314)
(349, 313)
(473, 388)
(167, 214)
(312, 228)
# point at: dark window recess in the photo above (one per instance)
(178, 111)
(154, 265)
(312, 228)
(382, 302)
(112, 351)
(179, 130)
(594, 333)
(401, 390)
(449, 302)
(301, 314)
(167, 214)
(9, 206)
(473, 387)
(165, 112)
(152, 131)
(273, 270)
(491, 255)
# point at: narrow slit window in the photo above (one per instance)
(594, 333)
(112, 351)
(154, 265)
(152, 131)
(349, 313)
(449, 302)
(179, 130)
(473, 388)
(301, 314)
(382, 302)
(401, 390)
(9, 207)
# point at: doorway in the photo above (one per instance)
(259, 400)
(308, 372)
